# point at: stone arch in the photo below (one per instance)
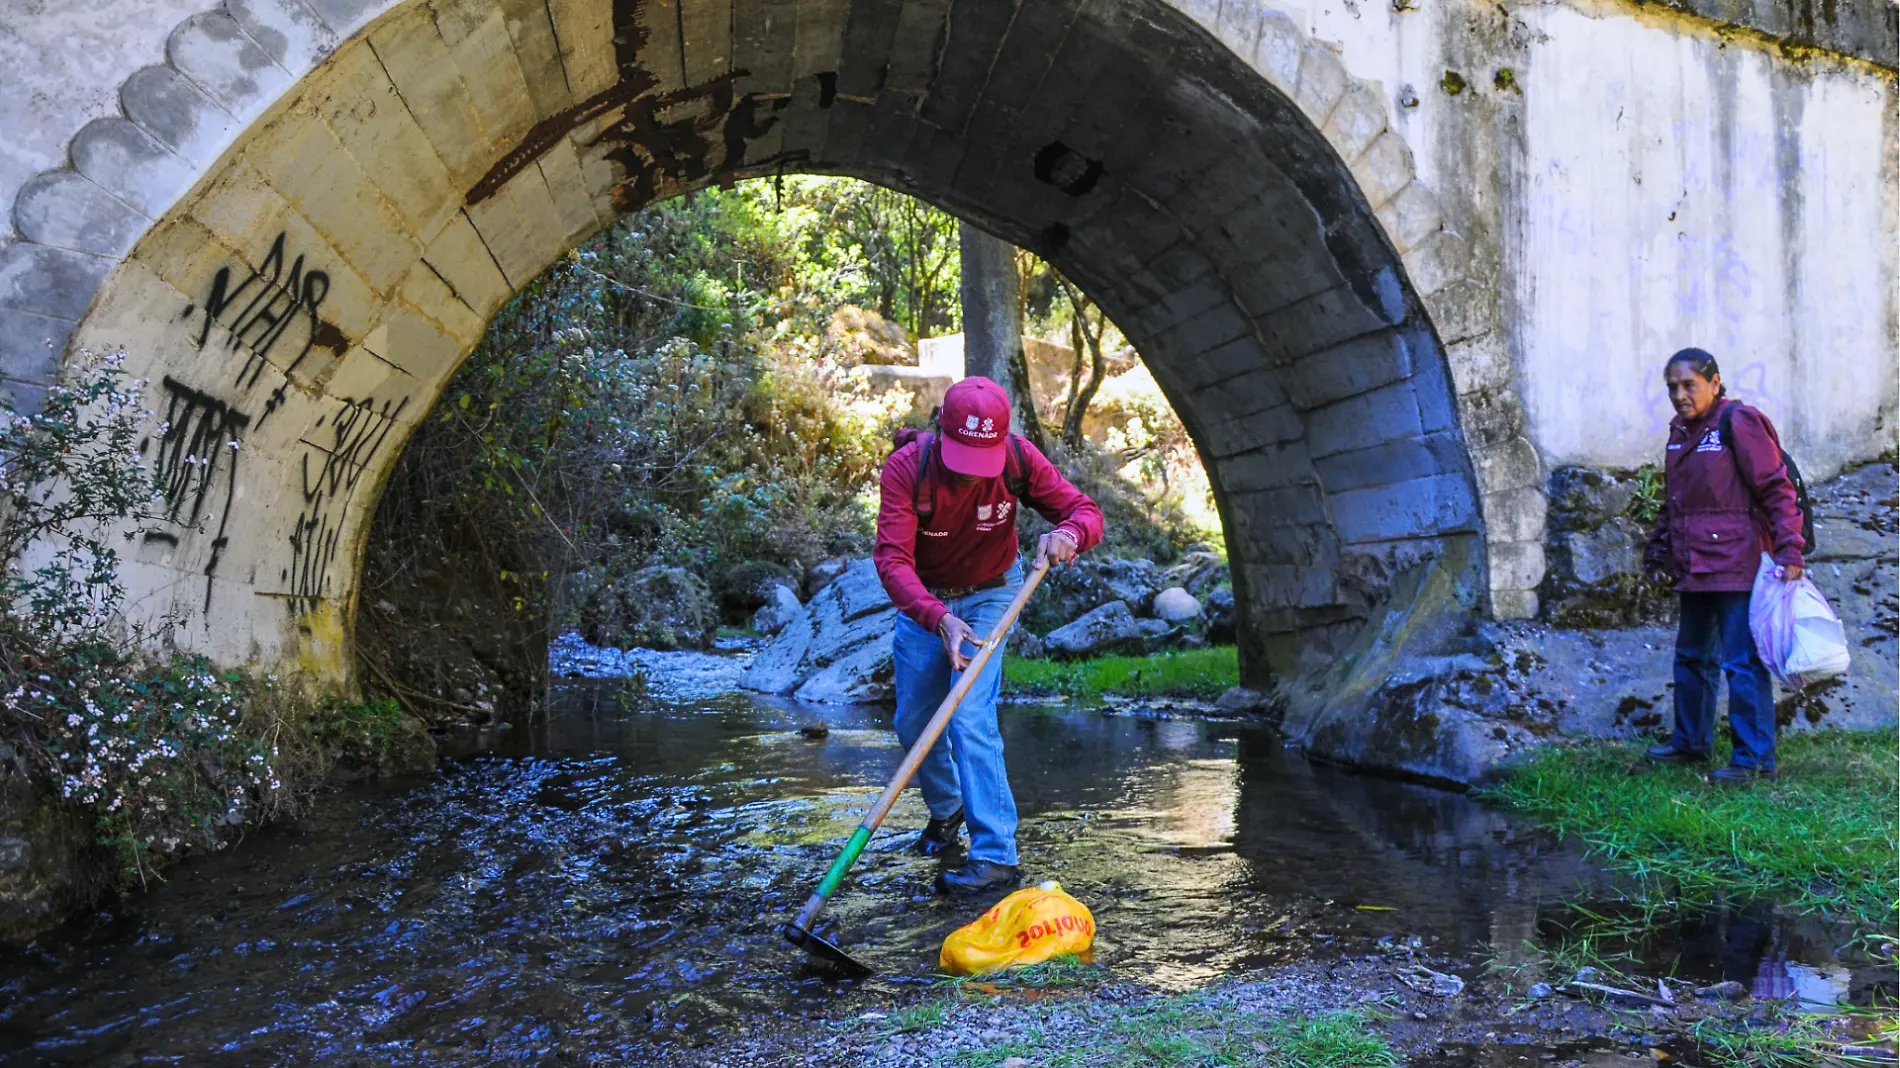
(303, 219)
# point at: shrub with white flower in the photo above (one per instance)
(160, 754)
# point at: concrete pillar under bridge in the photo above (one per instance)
(302, 214)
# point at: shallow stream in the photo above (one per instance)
(612, 877)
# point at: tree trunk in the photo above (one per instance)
(993, 326)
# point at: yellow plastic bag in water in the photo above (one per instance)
(1027, 927)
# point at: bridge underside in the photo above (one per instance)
(310, 295)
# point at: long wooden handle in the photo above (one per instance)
(913, 759)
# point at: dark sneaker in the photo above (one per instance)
(1740, 775)
(979, 877)
(1669, 754)
(938, 835)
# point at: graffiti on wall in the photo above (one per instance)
(196, 466)
(273, 302)
(330, 470)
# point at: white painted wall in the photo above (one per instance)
(61, 64)
(1655, 186)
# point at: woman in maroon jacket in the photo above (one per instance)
(1727, 499)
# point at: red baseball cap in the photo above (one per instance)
(975, 421)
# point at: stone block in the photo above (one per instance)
(427, 292)
(1230, 437)
(1254, 389)
(1411, 216)
(1515, 515)
(66, 209)
(1491, 416)
(306, 163)
(1508, 466)
(127, 162)
(178, 114)
(1384, 414)
(1463, 310)
(476, 33)
(421, 349)
(1431, 382)
(1299, 545)
(1384, 169)
(1402, 460)
(1478, 363)
(53, 282)
(355, 96)
(1438, 504)
(1515, 565)
(460, 257)
(1281, 586)
(1278, 49)
(1205, 12)
(1513, 604)
(1437, 263)
(214, 52)
(431, 87)
(561, 170)
(289, 32)
(539, 53)
(1602, 553)
(1322, 83)
(1348, 369)
(1357, 119)
(1321, 321)
(1301, 504)
(1275, 466)
(22, 398)
(1218, 365)
(586, 33)
(31, 345)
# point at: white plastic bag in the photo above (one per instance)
(1796, 633)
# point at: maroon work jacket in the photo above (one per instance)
(1725, 502)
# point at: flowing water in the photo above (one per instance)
(612, 878)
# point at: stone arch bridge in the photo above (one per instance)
(1390, 260)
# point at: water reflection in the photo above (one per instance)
(616, 873)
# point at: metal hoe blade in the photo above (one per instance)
(826, 952)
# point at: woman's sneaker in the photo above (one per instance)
(938, 835)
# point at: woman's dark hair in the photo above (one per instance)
(1701, 363)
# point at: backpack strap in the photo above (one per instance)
(924, 504)
(1016, 470)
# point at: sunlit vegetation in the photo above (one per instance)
(1199, 673)
(1825, 838)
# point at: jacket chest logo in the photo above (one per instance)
(1711, 441)
(986, 512)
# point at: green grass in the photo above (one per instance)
(1788, 1039)
(1063, 970)
(1823, 840)
(1195, 1032)
(1202, 673)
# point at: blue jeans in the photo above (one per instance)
(965, 768)
(1713, 622)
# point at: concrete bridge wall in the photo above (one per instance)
(1389, 261)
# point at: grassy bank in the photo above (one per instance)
(1823, 839)
(1202, 673)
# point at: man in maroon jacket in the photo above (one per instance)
(1727, 499)
(946, 552)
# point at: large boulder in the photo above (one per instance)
(652, 608)
(822, 574)
(1602, 553)
(745, 587)
(780, 609)
(1198, 572)
(1069, 592)
(1112, 628)
(837, 648)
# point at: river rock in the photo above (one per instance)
(1219, 612)
(1597, 555)
(836, 648)
(653, 608)
(780, 608)
(1198, 571)
(1108, 629)
(1069, 592)
(1155, 633)
(822, 574)
(745, 587)
(1024, 644)
(1176, 605)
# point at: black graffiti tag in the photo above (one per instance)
(262, 309)
(200, 440)
(330, 472)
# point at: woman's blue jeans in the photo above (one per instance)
(965, 768)
(1713, 638)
